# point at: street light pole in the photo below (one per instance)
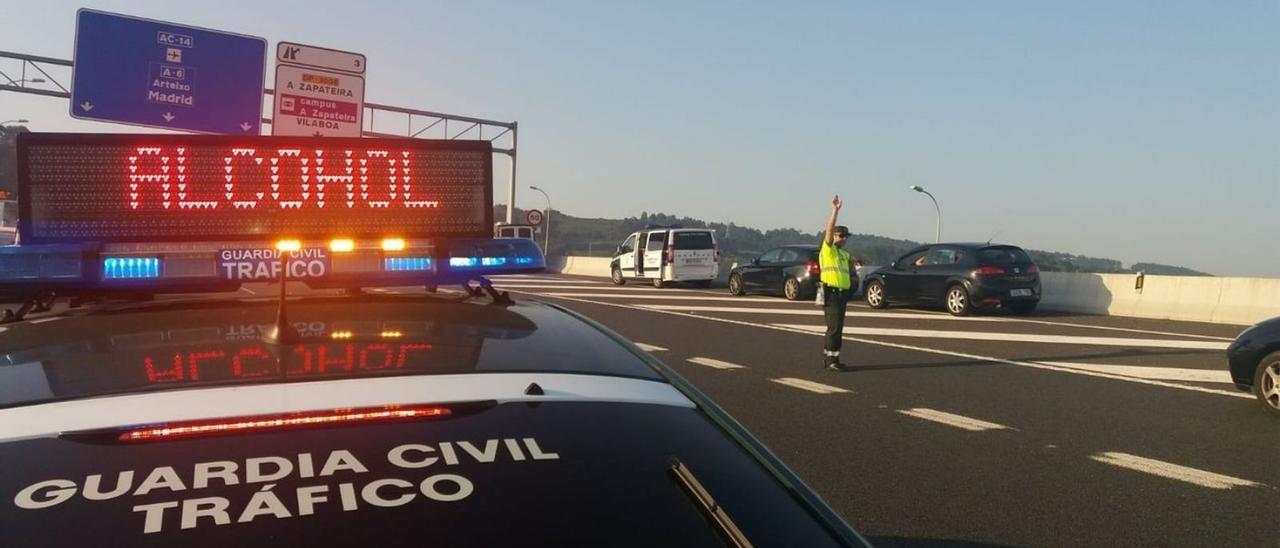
(546, 242)
(937, 233)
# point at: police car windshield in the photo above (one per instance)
(187, 344)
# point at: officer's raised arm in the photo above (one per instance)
(836, 204)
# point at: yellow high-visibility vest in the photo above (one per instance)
(834, 263)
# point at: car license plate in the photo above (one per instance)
(1019, 292)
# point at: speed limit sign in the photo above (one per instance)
(534, 217)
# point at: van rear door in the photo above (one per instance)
(694, 254)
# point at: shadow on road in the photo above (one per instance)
(902, 542)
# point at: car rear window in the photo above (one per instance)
(694, 240)
(164, 348)
(1003, 255)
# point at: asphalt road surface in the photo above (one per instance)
(994, 430)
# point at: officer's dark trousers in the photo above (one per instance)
(836, 301)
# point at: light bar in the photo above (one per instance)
(128, 268)
(261, 423)
(393, 244)
(406, 264)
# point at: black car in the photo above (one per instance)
(1255, 363)
(960, 276)
(790, 270)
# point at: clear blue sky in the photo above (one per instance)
(1141, 131)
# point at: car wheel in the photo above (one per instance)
(658, 283)
(1266, 383)
(617, 278)
(875, 295)
(958, 301)
(791, 289)
(1023, 308)
(735, 286)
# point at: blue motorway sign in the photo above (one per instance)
(156, 74)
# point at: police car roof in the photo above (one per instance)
(218, 342)
(535, 427)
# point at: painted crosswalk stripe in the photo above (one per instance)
(1019, 337)
(951, 419)
(714, 363)
(649, 347)
(810, 386)
(1172, 471)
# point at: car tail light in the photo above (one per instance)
(812, 268)
(260, 423)
(670, 256)
(1033, 270)
(989, 271)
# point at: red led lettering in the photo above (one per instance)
(291, 178)
(165, 375)
(233, 171)
(194, 358)
(386, 356)
(405, 349)
(323, 363)
(303, 366)
(150, 170)
(237, 362)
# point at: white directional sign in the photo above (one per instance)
(319, 92)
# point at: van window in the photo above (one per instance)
(694, 239)
(656, 240)
(628, 246)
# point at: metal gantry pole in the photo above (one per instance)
(511, 180)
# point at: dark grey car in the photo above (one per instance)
(791, 271)
(961, 277)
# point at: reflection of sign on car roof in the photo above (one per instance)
(137, 71)
(318, 92)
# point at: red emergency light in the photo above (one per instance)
(116, 188)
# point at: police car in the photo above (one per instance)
(337, 415)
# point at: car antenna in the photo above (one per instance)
(993, 236)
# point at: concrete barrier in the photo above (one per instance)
(1238, 301)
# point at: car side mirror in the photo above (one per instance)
(755, 261)
(893, 265)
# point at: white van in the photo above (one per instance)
(666, 254)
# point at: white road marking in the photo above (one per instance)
(1124, 329)
(247, 290)
(1021, 337)
(655, 291)
(714, 363)
(549, 281)
(1172, 471)
(649, 347)
(992, 359)
(810, 386)
(46, 320)
(1156, 373)
(812, 311)
(655, 295)
(951, 419)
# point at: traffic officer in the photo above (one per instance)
(837, 285)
